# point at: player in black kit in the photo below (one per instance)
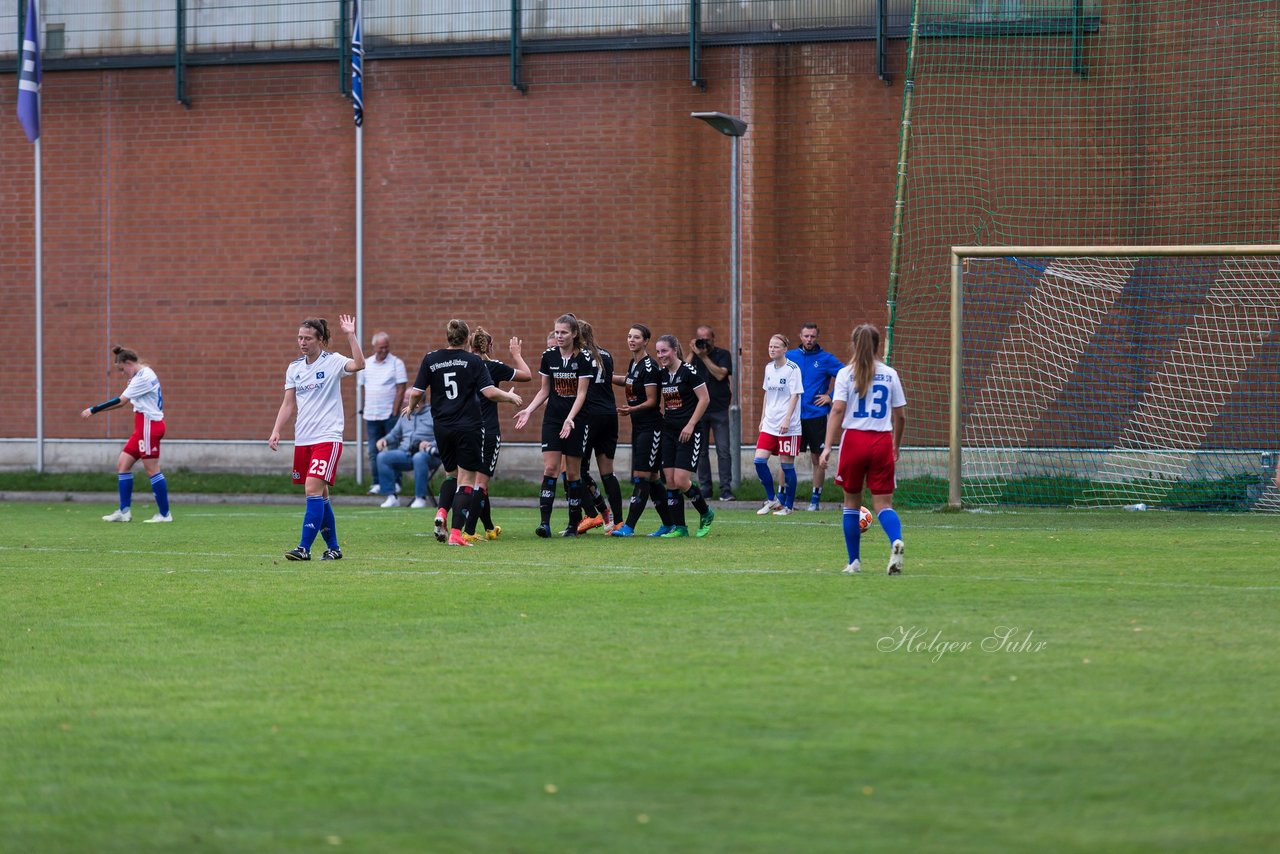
(491, 440)
(601, 415)
(455, 379)
(642, 383)
(566, 375)
(684, 400)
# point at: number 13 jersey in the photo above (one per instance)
(874, 411)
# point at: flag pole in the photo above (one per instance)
(357, 99)
(39, 317)
(29, 75)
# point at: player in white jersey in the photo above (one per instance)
(313, 393)
(779, 427)
(143, 391)
(868, 402)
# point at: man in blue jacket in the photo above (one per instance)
(818, 369)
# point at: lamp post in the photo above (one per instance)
(733, 127)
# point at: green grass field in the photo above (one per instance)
(184, 688)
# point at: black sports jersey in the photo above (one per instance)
(454, 378)
(678, 397)
(600, 399)
(499, 373)
(564, 374)
(642, 374)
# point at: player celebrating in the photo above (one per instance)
(601, 415)
(779, 427)
(566, 375)
(143, 391)
(870, 404)
(491, 440)
(456, 379)
(684, 400)
(642, 381)
(313, 392)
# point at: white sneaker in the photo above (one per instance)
(119, 516)
(418, 504)
(783, 511)
(376, 489)
(895, 557)
(853, 568)
(396, 490)
(769, 506)
(159, 517)
(391, 501)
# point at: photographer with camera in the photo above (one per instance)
(716, 365)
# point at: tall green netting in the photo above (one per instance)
(1096, 123)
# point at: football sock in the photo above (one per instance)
(547, 498)
(312, 521)
(789, 478)
(473, 514)
(593, 492)
(816, 498)
(658, 494)
(329, 527)
(125, 485)
(462, 508)
(485, 515)
(160, 489)
(694, 494)
(614, 491)
(852, 519)
(574, 490)
(447, 490)
(675, 506)
(639, 498)
(766, 478)
(890, 524)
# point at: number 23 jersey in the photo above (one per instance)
(874, 412)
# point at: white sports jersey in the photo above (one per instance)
(874, 412)
(319, 392)
(143, 392)
(780, 385)
(379, 380)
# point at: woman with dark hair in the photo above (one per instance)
(869, 403)
(601, 414)
(312, 392)
(684, 439)
(566, 375)
(642, 382)
(491, 439)
(456, 379)
(143, 392)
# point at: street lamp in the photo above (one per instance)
(733, 127)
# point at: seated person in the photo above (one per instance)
(411, 444)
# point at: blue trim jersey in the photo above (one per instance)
(318, 390)
(780, 385)
(817, 367)
(143, 392)
(872, 412)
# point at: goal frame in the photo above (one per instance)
(960, 254)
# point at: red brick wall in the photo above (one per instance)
(201, 237)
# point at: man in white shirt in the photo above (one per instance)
(384, 381)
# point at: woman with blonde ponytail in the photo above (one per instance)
(869, 404)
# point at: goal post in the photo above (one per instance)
(1115, 375)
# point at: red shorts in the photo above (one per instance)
(144, 444)
(866, 455)
(783, 446)
(320, 460)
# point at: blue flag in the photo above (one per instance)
(29, 74)
(357, 64)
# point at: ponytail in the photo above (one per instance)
(866, 343)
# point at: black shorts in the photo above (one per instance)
(813, 434)
(459, 447)
(646, 446)
(602, 436)
(682, 455)
(572, 444)
(490, 446)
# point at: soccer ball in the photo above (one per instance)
(864, 518)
